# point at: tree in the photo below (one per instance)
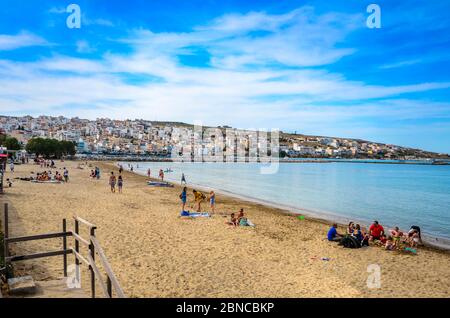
(50, 148)
(9, 142)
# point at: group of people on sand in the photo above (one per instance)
(113, 181)
(239, 220)
(199, 198)
(48, 176)
(95, 173)
(395, 240)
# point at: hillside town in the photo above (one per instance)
(139, 137)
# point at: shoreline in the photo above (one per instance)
(423, 162)
(314, 215)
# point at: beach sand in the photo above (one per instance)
(154, 253)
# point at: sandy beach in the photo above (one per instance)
(154, 253)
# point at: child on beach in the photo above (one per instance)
(212, 200)
(66, 175)
(233, 220)
(112, 182)
(396, 237)
(120, 183)
(390, 245)
(183, 197)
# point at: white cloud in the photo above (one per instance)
(21, 40)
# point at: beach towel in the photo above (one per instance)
(245, 222)
(195, 214)
(160, 184)
(50, 181)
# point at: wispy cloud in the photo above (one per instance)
(21, 40)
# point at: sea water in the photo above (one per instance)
(394, 194)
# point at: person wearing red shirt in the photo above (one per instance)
(376, 231)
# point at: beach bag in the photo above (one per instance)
(350, 242)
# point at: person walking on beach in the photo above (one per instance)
(183, 197)
(149, 173)
(11, 166)
(161, 174)
(183, 179)
(120, 169)
(120, 183)
(112, 182)
(66, 175)
(212, 201)
(97, 173)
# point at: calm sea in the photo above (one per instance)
(393, 194)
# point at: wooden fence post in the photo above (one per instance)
(77, 249)
(92, 250)
(109, 286)
(5, 238)
(65, 247)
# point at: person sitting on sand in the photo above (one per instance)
(240, 215)
(233, 220)
(112, 182)
(396, 236)
(350, 228)
(92, 174)
(413, 229)
(390, 245)
(376, 231)
(183, 197)
(414, 238)
(333, 235)
(357, 233)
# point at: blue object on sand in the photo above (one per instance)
(160, 184)
(195, 214)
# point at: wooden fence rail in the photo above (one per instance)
(92, 244)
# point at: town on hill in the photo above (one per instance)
(151, 138)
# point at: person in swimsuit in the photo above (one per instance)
(149, 172)
(183, 179)
(120, 184)
(396, 236)
(212, 201)
(183, 197)
(112, 182)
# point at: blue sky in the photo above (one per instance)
(307, 66)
